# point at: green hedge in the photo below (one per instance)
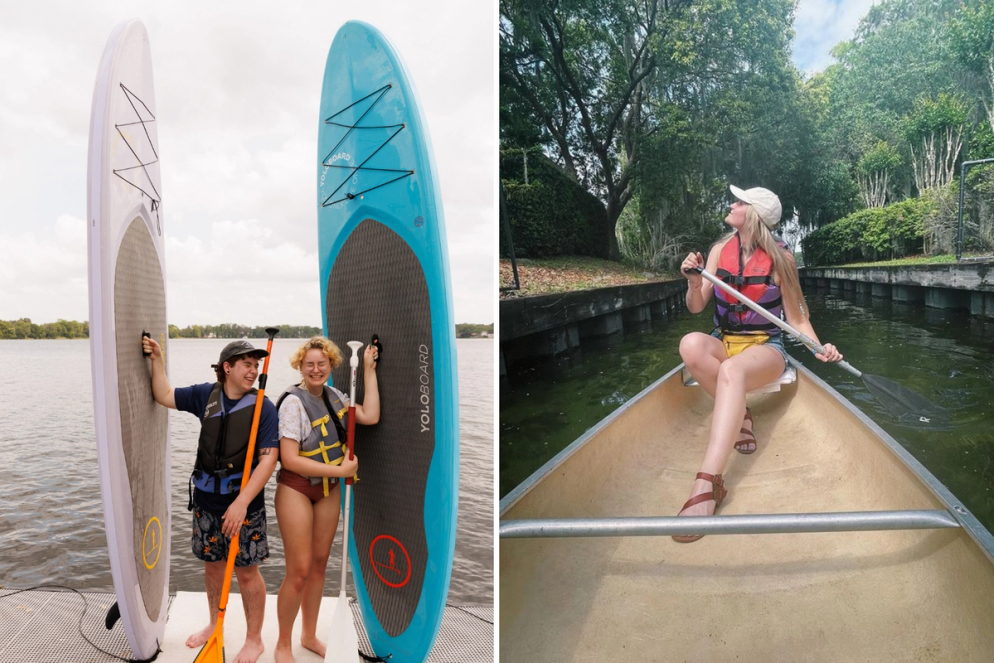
(879, 233)
(551, 215)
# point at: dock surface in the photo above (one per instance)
(39, 626)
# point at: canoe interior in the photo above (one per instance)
(923, 595)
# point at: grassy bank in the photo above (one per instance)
(911, 260)
(569, 273)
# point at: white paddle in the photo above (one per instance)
(343, 643)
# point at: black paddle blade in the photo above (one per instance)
(901, 401)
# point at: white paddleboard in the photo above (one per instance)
(128, 297)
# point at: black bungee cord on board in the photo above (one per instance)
(354, 169)
(156, 199)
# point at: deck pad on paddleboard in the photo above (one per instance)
(127, 299)
(384, 271)
(140, 305)
(377, 283)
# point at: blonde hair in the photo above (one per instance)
(327, 348)
(759, 235)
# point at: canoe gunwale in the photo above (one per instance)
(709, 525)
(780, 523)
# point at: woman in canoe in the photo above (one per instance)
(313, 421)
(745, 351)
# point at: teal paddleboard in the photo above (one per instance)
(384, 271)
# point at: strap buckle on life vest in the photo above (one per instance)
(322, 421)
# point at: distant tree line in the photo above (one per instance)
(24, 328)
(466, 330)
(240, 331)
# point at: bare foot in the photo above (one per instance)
(251, 651)
(283, 652)
(315, 645)
(200, 637)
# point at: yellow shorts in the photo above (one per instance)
(736, 343)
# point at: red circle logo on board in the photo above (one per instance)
(390, 561)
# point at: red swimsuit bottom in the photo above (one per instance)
(303, 485)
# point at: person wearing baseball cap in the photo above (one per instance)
(220, 508)
(745, 351)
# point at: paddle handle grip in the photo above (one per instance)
(803, 338)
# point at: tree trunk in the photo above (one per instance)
(613, 214)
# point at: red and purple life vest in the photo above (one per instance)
(754, 279)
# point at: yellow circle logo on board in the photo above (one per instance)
(152, 543)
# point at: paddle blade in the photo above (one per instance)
(213, 649)
(900, 400)
(343, 643)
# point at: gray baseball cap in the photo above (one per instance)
(237, 349)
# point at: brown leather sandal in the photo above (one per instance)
(717, 494)
(746, 443)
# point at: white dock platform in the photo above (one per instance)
(40, 626)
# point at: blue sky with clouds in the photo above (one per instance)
(237, 85)
(821, 24)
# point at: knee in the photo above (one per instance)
(296, 574)
(730, 374)
(319, 565)
(692, 347)
(249, 576)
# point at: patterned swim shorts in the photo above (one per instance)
(210, 545)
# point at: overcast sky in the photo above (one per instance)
(820, 25)
(237, 86)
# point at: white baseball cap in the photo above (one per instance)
(765, 201)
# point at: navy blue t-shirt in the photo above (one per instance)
(194, 399)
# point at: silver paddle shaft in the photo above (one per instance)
(803, 338)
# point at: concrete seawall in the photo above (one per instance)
(968, 286)
(548, 325)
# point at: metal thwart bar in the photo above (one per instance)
(788, 523)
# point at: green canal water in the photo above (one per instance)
(946, 356)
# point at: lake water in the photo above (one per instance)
(51, 516)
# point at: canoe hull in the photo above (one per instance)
(812, 597)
